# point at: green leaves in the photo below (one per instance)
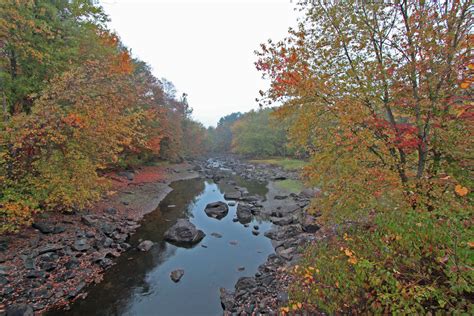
(256, 134)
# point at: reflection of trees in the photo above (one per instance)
(254, 187)
(128, 277)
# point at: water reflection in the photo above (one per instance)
(140, 284)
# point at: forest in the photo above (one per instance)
(75, 103)
(374, 99)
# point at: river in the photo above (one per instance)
(140, 284)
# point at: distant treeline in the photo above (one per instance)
(253, 134)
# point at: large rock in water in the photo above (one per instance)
(184, 233)
(244, 213)
(217, 210)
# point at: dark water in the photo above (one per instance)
(140, 284)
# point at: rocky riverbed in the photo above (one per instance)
(266, 291)
(51, 263)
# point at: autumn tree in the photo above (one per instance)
(380, 94)
(76, 103)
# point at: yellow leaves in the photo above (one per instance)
(346, 237)
(460, 190)
(297, 306)
(352, 259)
(294, 307)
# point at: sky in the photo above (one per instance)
(206, 48)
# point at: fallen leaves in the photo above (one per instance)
(460, 190)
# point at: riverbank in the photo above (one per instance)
(49, 264)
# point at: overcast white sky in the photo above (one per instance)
(206, 48)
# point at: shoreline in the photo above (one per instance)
(52, 269)
(48, 265)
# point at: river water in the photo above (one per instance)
(140, 284)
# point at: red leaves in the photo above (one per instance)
(402, 135)
(73, 120)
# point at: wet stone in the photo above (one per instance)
(217, 210)
(145, 245)
(176, 275)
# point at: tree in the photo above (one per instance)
(255, 134)
(221, 136)
(75, 104)
(40, 39)
(380, 94)
(376, 90)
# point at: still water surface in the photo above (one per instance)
(139, 284)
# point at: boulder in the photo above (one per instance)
(107, 228)
(184, 233)
(145, 245)
(176, 275)
(81, 244)
(283, 233)
(233, 195)
(244, 213)
(49, 248)
(217, 210)
(282, 221)
(88, 220)
(45, 228)
(286, 254)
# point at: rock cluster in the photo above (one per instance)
(61, 259)
(265, 292)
